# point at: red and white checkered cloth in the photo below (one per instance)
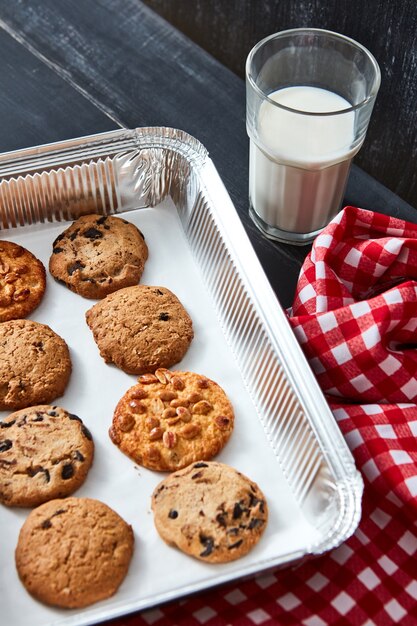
(355, 315)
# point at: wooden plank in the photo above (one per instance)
(37, 105)
(138, 68)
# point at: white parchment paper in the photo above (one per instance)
(157, 572)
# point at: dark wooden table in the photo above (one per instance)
(70, 69)
(76, 68)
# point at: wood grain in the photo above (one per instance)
(38, 106)
(228, 30)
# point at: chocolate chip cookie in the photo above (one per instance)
(141, 328)
(22, 281)
(35, 364)
(45, 453)
(210, 511)
(98, 255)
(73, 552)
(170, 419)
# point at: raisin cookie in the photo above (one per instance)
(22, 281)
(35, 364)
(210, 511)
(89, 548)
(45, 453)
(170, 419)
(97, 255)
(141, 328)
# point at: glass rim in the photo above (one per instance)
(320, 31)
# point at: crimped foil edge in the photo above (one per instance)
(103, 173)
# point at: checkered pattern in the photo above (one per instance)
(355, 315)
(355, 312)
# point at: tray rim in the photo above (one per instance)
(29, 159)
(352, 487)
(110, 142)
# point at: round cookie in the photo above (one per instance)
(22, 281)
(45, 453)
(35, 366)
(210, 511)
(89, 548)
(97, 255)
(171, 419)
(141, 328)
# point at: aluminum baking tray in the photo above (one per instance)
(285, 437)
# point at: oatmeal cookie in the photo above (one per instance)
(141, 328)
(210, 511)
(35, 366)
(45, 453)
(170, 419)
(89, 548)
(98, 255)
(22, 281)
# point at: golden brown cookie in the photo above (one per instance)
(97, 255)
(45, 453)
(22, 281)
(171, 419)
(89, 548)
(210, 511)
(35, 364)
(141, 328)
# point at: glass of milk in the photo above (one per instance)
(310, 94)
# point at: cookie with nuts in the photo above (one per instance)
(22, 281)
(45, 453)
(141, 328)
(35, 364)
(73, 552)
(171, 419)
(210, 511)
(98, 255)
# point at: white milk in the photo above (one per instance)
(299, 166)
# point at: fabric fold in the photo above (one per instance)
(355, 317)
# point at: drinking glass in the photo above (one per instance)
(310, 94)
